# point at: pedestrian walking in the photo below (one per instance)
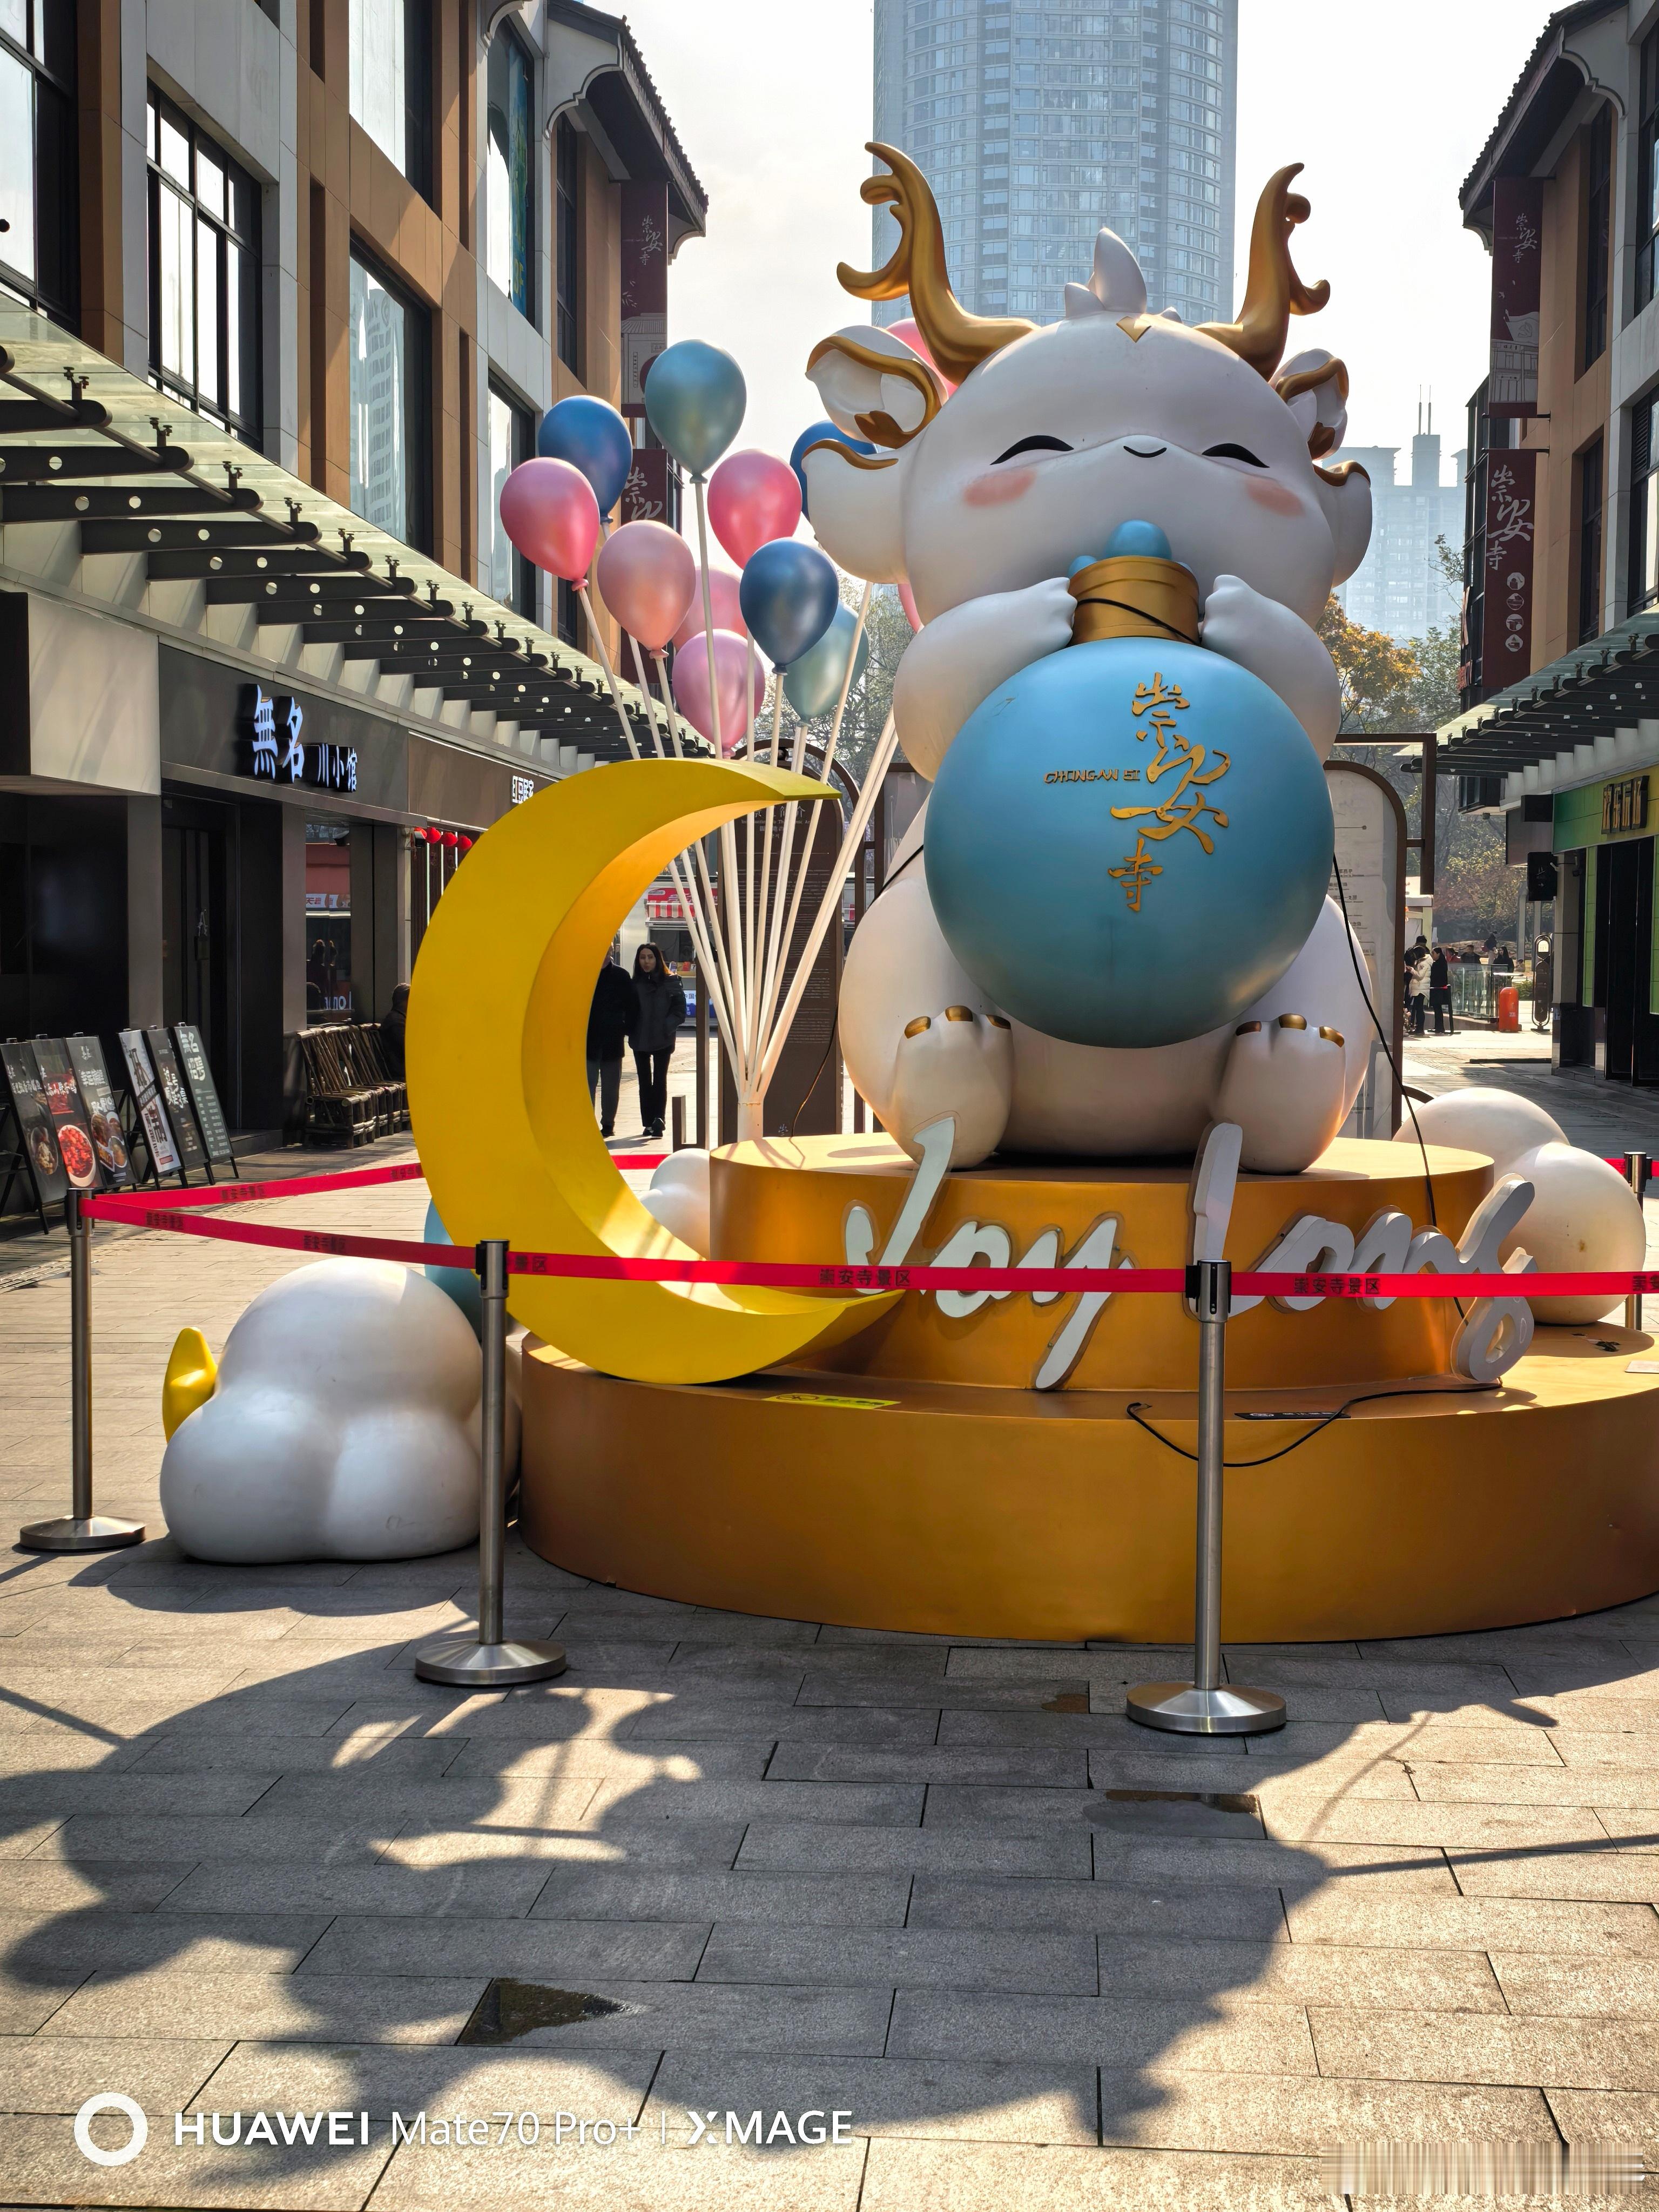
(661, 1009)
(611, 1018)
(1543, 985)
(1440, 992)
(1417, 985)
(392, 1031)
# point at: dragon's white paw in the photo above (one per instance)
(1283, 1084)
(960, 1063)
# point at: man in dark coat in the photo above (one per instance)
(613, 1013)
(1440, 991)
(392, 1031)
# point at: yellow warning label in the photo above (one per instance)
(813, 1398)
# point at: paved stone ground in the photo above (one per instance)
(247, 1863)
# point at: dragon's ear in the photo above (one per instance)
(1313, 385)
(873, 385)
(853, 502)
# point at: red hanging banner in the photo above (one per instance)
(1517, 230)
(1511, 490)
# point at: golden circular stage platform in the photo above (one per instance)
(912, 1479)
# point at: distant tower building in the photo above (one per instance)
(1034, 126)
(1400, 585)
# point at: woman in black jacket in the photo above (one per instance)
(655, 1032)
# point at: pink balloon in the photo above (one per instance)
(752, 499)
(728, 614)
(648, 579)
(907, 601)
(549, 511)
(691, 685)
(907, 329)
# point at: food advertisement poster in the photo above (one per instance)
(108, 1140)
(70, 1130)
(158, 1135)
(204, 1097)
(29, 1102)
(170, 1080)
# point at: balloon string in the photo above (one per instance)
(768, 906)
(720, 975)
(804, 868)
(749, 892)
(594, 632)
(775, 976)
(696, 918)
(830, 903)
(729, 879)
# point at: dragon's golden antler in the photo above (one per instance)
(957, 340)
(1274, 292)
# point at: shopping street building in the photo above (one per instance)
(285, 292)
(1560, 673)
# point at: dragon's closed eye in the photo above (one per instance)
(1229, 452)
(1039, 445)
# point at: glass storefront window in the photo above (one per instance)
(328, 921)
(388, 413)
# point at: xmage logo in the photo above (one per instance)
(109, 2100)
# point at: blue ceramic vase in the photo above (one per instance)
(1130, 839)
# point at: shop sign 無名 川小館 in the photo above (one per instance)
(277, 749)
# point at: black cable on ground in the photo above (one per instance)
(834, 1030)
(1321, 1421)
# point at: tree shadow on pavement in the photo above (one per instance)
(946, 1888)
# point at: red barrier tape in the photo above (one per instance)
(608, 1267)
(110, 1206)
(169, 1213)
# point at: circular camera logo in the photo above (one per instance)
(111, 2101)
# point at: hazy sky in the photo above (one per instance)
(1387, 105)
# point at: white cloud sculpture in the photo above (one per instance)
(344, 1424)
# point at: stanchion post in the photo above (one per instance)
(1207, 1706)
(1637, 1166)
(490, 1661)
(83, 1530)
(676, 1125)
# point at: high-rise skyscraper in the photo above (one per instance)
(1037, 125)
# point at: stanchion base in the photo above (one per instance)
(100, 1534)
(466, 1664)
(1232, 1709)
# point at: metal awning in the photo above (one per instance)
(1609, 684)
(83, 440)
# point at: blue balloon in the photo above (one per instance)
(1129, 842)
(460, 1284)
(812, 683)
(594, 438)
(694, 395)
(817, 434)
(788, 595)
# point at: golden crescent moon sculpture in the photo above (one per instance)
(496, 1055)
